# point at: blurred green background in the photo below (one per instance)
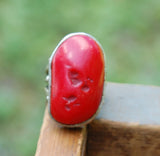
(129, 31)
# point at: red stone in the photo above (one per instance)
(77, 78)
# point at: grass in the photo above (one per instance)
(128, 31)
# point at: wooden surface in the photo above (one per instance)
(131, 103)
(108, 138)
(127, 125)
(58, 141)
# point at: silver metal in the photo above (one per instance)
(48, 78)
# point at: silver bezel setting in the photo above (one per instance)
(48, 79)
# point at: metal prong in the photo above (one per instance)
(47, 97)
(47, 78)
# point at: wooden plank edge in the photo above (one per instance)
(59, 141)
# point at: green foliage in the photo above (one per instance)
(29, 31)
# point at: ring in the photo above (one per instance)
(76, 74)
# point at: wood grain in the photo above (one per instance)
(58, 141)
(108, 138)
